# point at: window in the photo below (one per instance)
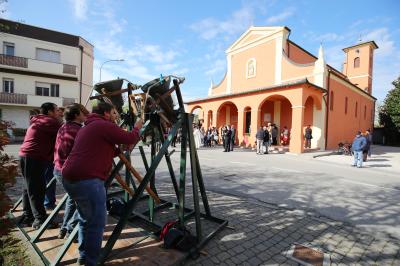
(251, 68)
(8, 85)
(356, 108)
(356, 62)
(365, 112)
(46, 89)
(54, 90)
(8, 48)
(346, 100)
(47, 55)
(331, 101)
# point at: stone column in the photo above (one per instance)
(255, 123)
(296, 134)
(240, 126)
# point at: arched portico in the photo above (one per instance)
(314, 116)
(227, 114)
(198, 113)
(276, 109)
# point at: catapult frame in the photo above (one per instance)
(158, 109)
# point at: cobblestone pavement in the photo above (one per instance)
(261, 234)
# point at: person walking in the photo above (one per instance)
(85, 170)
(266, 139)
(308, 136)
(260, 139)
(36, 155)
(357, 147)
(233, 137)
(274, 134)
(227, 139)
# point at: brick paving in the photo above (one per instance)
(261, 234)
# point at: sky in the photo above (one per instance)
(189, 38)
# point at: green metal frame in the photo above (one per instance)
(184, 122)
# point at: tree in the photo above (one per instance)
(389, 114)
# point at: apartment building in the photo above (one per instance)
(39, 65)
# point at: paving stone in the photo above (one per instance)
(254, 261)
(279, 258)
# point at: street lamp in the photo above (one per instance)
(111, 60)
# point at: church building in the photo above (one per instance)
(271, 79)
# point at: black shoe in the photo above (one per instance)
(62, 233)
(25, 221)
(80, 261)
(37, 224)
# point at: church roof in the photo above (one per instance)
(287, 84)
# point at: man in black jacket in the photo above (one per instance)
(233, 136)
(227, 139)
(266, 139)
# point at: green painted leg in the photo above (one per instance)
(193, 164)
(182, 171)
(49, 219)
(132, 203)
(65, 247)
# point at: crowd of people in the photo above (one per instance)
(79, 152)
(226, 136)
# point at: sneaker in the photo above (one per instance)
(80, 261)
(353, 165)
(62, 233)
(25, 221)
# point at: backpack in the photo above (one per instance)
(166, 228)
(177, 237)
(115, 206)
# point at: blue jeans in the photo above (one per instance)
(90, 198)
(71, 215)
(50, 198)
(358, 158)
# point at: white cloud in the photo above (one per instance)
(80, 8)
(238, 22)
(218, 66)
(382, 37)
(281, 16)
(4, 12)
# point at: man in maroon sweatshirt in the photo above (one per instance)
(75, 115)
(36, 154)
(85, 170)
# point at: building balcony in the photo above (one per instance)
(16, 62)
(17, 99)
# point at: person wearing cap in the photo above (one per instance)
(359, 143)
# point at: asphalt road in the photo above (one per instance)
(367, 197)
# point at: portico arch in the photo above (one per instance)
(227, 114)
(198, 113)
(314, 116)
(276, 109)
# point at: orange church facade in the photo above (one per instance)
(270, 79)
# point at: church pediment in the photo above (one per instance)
(254, 34)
